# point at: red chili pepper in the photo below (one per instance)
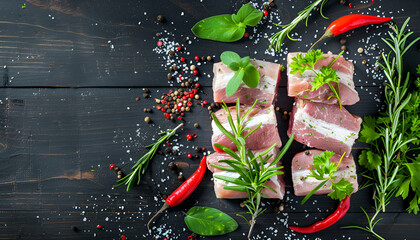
(341, 210)
(246, 34)
(178, 48)
(182, 59)
(350, 22)
(189, 136)
(195, 72)
(98, 226)
(112, 166)
(265, 12)
(196, 58)
(185, 190)
(122, 237)
(189, 155)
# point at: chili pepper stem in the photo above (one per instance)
(163, 208)
(327, 34)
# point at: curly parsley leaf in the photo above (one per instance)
(368, 133)
(326, 75)
(300, 63)
(244, 71)
(341, 189)
(369, 160)
(323, 170)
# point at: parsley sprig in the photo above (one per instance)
(244, 71)
(326, 75)
(323, 170)
(254, 171)
(394, 135)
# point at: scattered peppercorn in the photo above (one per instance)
(196, 125)
(147, 119)
(277, 109)
(342, 2)
(360, 50)
(192, 67)
(172, 166)
(119, 176)
(172, 53)
(364, 62)
(343, 41)
(175, 67)
(146, 95)
(169, 76)
(74, 228)
(307, 152)
(116, 169)
(376, 68)
(209, 58)
(161, 18)
(344, 48)
(181, 178)
(242, 204)
(157, 34)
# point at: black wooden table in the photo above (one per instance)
(72, 72)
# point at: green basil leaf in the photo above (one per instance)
(218, 28)
(244, 61)
(248, 15)
(234, 82)
(208, 221)
(251, 76)
(229, 57)
(234, 66)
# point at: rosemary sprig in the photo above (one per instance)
(253, 171)
(141, 166)
(392, 169)
(277, 39)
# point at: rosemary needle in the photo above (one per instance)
(141, 166)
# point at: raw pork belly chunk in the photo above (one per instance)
(299, 85)
(264, 137)
(324, 126)
(265, 92)
(302, 165)
(276, 182)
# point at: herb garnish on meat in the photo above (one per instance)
(323, 170)
(253, 171)
(326, 75)
(244, 71)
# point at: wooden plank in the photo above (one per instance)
(57, 145)
(101, 43)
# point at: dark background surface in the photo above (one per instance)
(72, 72)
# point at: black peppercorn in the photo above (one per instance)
(174, 152)
(181, 178)
(196, 156)
(146, 95)
(74, 228)
(117, 169)
(172, 166)
(197, 149)
(190, 80)
(171, 53)
(203, 58)
(146, 90)
(161, 18)
(168, 150)
(307, 152)
(196, 125)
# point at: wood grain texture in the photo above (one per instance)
(68, 109)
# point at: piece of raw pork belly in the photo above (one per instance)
(264, 137)
(302, 165)
(275, 182)
(266, 91)
(299, 85)
(324, 126)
